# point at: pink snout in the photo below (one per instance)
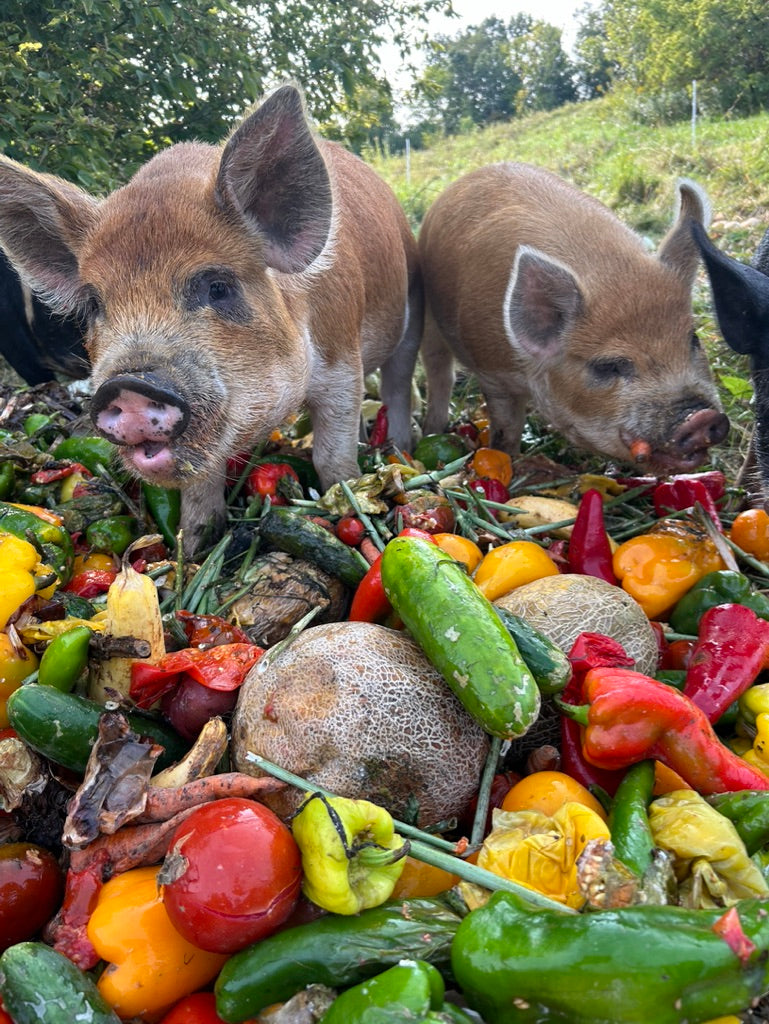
(132, 409)
(700, 430)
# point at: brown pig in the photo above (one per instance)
(551, 302)
(225, 288)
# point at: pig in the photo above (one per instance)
(35, 342)
(541, 292)
(741, 302)
(226, 287)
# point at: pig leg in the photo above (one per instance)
(507, 412)
(334, 403)
(397, 373)
(203, 509)
(439, 369)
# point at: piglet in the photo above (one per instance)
(225, 288)
(542, 293)
(741, 301)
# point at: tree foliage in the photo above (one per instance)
(593, 67)
(90, 89)
(546, 72)
(660, 46)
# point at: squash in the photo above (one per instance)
(358, 709)
(566, 605)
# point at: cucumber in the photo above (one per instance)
(64, 726)
(41, 986)
(462, 635)
(299, 536)
(549, 665)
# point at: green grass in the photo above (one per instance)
(632, 168)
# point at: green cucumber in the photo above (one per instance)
(462, 635)
(64, 726)
(549, 665)
(41, 986)
(301, 537)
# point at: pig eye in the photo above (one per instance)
(607, 371)
(218, 289)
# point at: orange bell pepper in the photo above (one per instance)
(460, 548)
(150, 966)
(511, 565)
(658, 568)
(493, 464)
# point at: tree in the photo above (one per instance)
(662, 45)
(593, 68)
(547, 74)
(90, 88)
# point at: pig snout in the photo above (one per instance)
(143, 413)
(695, 434)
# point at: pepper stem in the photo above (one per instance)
(373, 856)
(577, 712)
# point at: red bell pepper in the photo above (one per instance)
(219, 668)
(369, 603)
(731, 649)
(683, 491)
(589, 549)
(274, 480)
(91, 582)
(630, 717)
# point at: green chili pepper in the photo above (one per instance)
(164, 506)
(112, 535)
(90, 452)
(407, 991)
(748, 810)
(724, 586)
(65, 658)
(7, 480)
(629, 820)
(518, 964)
(52, 541)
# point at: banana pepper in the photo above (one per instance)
(22, 574)
(657, 568)
(150, 966)
(351, 856)
(758, 754)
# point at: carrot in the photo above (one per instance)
(369, 550)
(640, 450)
(163, 804)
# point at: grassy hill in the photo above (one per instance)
(632, 168)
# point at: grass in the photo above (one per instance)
(632, 167)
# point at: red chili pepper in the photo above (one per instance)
(380, 429)
(275, 480)
(730, 651)
(590, 650)
(630, 717)
(589, 549)
(91, 582)
(49, 476)
(369, 603)
(67, 930)
(219, 668)
(682, 492)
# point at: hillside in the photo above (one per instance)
(631, 167)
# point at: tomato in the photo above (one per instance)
(239, 875)
(265, 480)
(350, 530)
(547, 791)
(199, 1008)
(31, 891)
(750, 532)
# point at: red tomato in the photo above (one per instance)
(199, 1008)
(239, 876)
(31, 891)
(265, 479)
(350, 530)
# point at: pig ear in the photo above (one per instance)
(677, 249)
(43, 220)
(273, 174)
(740, 297)
(542, 302)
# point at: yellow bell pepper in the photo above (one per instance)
(511, 565)
(658, 568)
(150, 966)
(20, 569)
(541, 851)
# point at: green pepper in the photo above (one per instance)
(629, 821)
(65, 659)
(335, 950)
(724, 586)
(519, 964)
(90, 452)
(7, 480)
(112, 535)
(36, 422)
(164, 506)
(748, 810)
(407, 991)
(52, 541)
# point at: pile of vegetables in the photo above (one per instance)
(459, 740)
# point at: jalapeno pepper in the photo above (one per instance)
(165, 507)
(65, 658)
(629, 819)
